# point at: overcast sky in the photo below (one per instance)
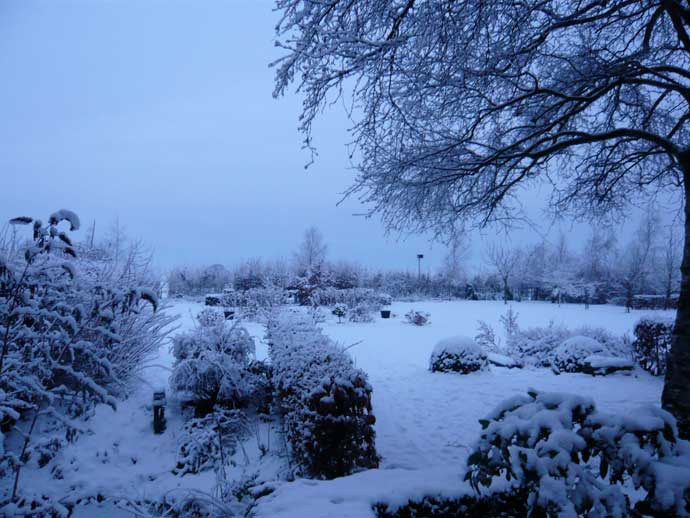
(160, 114)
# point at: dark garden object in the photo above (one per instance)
(385, 313)
(229, 315)
(159, 411)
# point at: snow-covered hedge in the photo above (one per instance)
(457, 354)
(652, 343)
(324, 400)
(352, 297)
(568, 459)
(212, 366)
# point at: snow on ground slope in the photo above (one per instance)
(426, 423)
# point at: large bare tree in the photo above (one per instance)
(459, 104)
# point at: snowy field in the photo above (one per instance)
(425, 426)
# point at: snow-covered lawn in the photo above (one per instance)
(426, 422)
(425, 426)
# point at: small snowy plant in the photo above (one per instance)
(570, 356)
(567, 459)
(340, 310)
(486, 337)
(362, 312)
(457, 354)
(417, 318)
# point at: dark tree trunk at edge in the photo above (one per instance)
(676, 395)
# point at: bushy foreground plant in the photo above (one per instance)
(72, 332)
(652, 343)
(212, 364)
(568, 459)
(325, 402)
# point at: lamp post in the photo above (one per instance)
(419, 266)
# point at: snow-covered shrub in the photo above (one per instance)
(535, 345)
(211, 367)
(362, 312)
(570, 355)
(208, 441)
(324, 400)
(510, 322)
(384, 299)
(652, 343)
(340, 310)
(417, 318)
(210, 317)
(568, 459)
(457, 354)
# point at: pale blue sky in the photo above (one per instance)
(160, 113)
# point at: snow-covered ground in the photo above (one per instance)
(426, 422)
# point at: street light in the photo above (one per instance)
(419, 266)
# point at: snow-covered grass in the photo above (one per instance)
(426, 422)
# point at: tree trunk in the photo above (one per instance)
(676, 395)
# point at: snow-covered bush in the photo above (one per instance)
(652, 343)
(362, 312)
(212, 367)
(209, 441)
(536, 345)
(340, 310)
(351, 297)
(210, 317)
(324, 400)
(417, 318)
(457, 354)
(567, 459)
(570, 355)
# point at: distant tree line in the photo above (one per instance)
(642, 272)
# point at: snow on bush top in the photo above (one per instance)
(457, 354)
(459, 345)
(653, 318)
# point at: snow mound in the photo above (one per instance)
(501, 360)
(570, 355)
(457, 354)
(602, 365)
